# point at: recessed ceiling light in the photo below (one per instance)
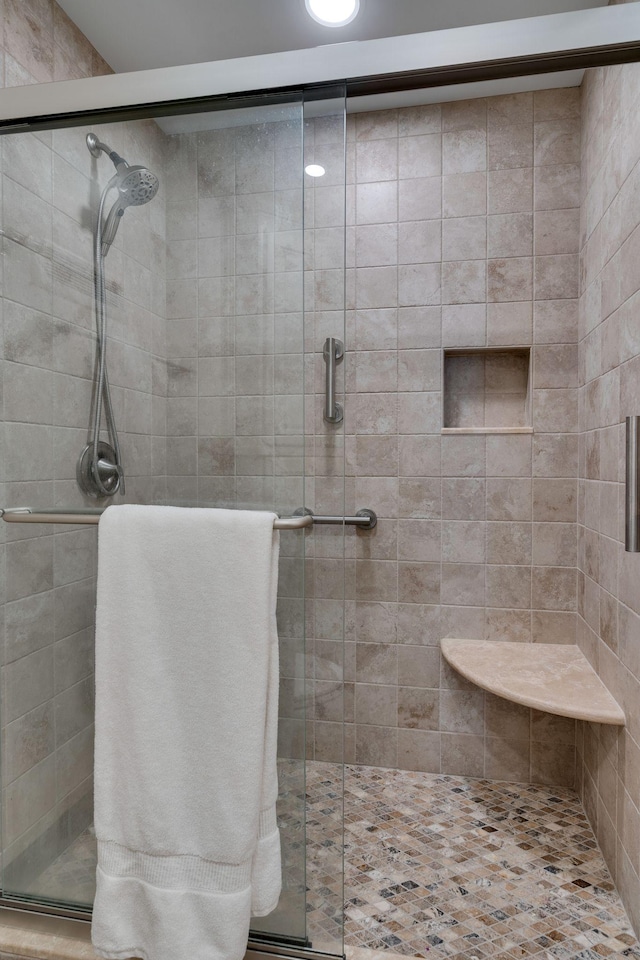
(333, 13)
(315, 170)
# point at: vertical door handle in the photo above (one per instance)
(333, 352)
(632, 491)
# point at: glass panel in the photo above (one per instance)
(206, 336)
(325, 217)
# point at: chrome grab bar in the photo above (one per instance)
(632, 491)
(332, 352)
(364, 519)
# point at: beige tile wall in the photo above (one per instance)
(462, 232)
(609, 578)
(49, 200)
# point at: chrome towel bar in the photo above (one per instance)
(364, 519)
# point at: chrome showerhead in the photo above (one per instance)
(135, 185)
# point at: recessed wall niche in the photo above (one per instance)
(487, 390)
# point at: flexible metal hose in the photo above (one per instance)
(103, 392)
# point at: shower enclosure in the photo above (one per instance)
(213, 314)
(225, 299)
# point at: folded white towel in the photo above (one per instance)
(186, 729)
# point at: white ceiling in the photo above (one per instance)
(143, 34)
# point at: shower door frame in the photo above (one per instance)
(611, 35)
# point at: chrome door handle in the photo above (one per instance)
(333, 352)
(632, 490)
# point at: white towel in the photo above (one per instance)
(186, 729)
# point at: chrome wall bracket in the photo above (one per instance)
(333, 353)
(109, 472)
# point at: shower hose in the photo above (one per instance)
(103, 392)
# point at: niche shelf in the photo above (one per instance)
(487, 390)
(553, 677)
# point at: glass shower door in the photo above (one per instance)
(217, 316)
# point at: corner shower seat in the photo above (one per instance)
(553, 677)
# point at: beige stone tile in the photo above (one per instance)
(463, 584)
(508, 543)
(556, 366)
(376, 663)
(509, 499)
(376, 245)
(419, 582)
(464, 281)
(464, 195)
(377, 202)
(420, 156)
(420, 198)
(510, 190)
(464, 499)
(554, 500)
(419, 370)
(464, 238)
(376, 704)
(556, 321)
(553, 763)
(508, 586)
(464, 115)
(510, 279)
(557, 104)
(376, 580)
(557, 142)
(462, 755)
(463, 541)
(419, 327)
(464, 325)
(511, 235)
(376, 621)
(509, 456)
(419, 120)
(419, 284)
(510, 145)
(553, 588)
(554, 544)
(418, 709)
(419, 499)
(418, 623)
(507, 758)
(557, 232)
(463, 456)
(419, 540)
(511, 625)
(419, 241)
(419, 456)
(419, 666)
(376, 160)
(553, 626)
(376, 746)
(557, 187)
(419, 750)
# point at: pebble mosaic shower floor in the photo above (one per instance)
(439, 866)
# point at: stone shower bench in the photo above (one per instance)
(553, 677)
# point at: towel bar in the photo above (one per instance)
(364, 519)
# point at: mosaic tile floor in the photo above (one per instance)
(440, 866)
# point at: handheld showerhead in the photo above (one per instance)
(135, 185)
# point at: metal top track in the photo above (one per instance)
(521, 47)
